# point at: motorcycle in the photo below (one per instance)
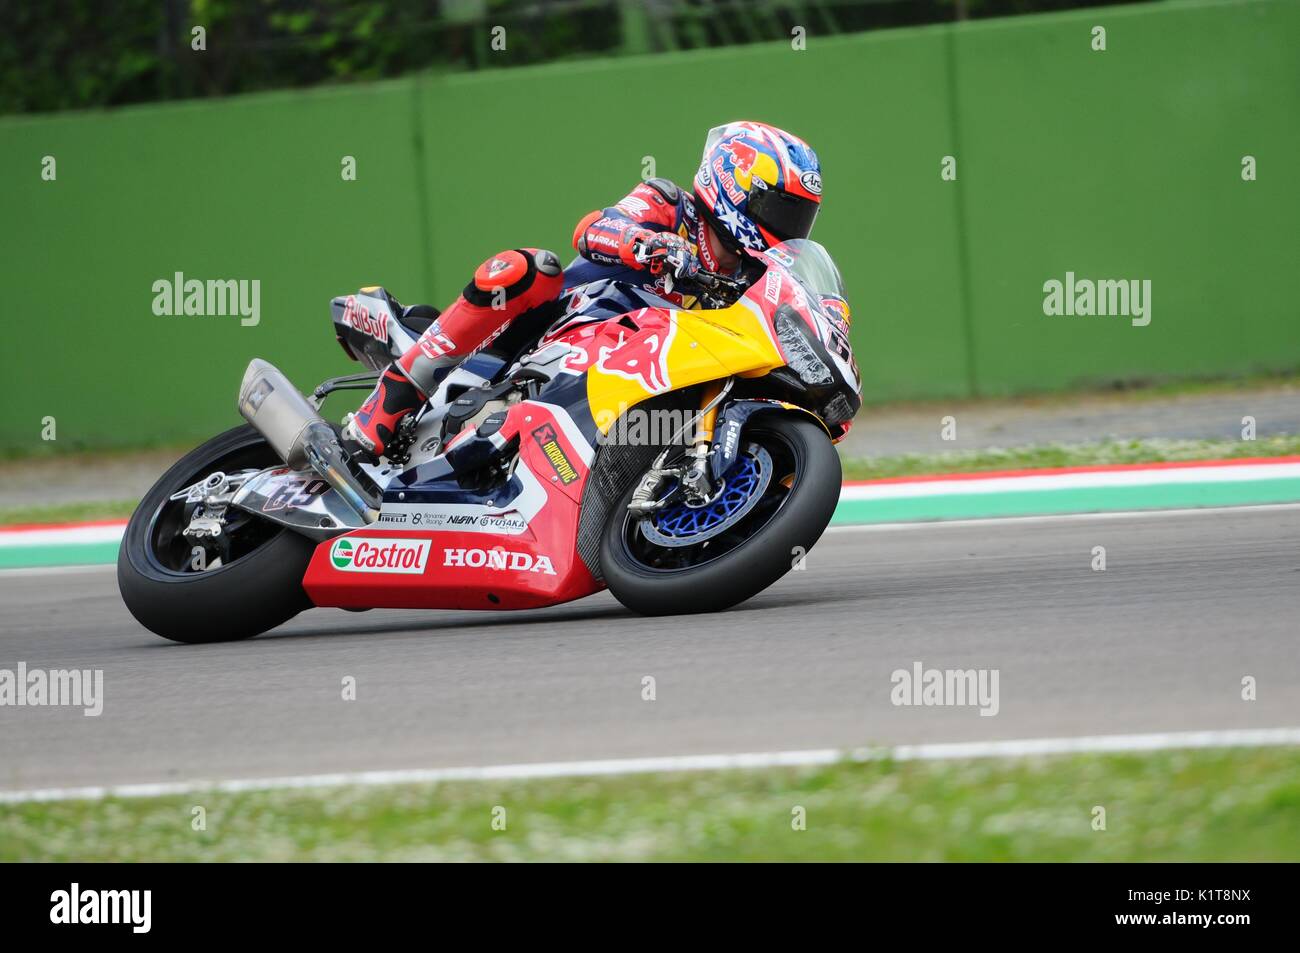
(680, 457)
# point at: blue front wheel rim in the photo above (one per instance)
(742, 486)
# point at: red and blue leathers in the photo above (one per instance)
(606, 240)
(627, 241)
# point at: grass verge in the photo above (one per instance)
(1217, 805)
(969, 461)
(67, 512)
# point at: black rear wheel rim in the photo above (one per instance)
(169, 551)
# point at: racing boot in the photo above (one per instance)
(503, 288)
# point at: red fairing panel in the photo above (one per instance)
(454, 569)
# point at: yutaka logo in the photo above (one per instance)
(351, 554)
(497, 559)
(506, 522)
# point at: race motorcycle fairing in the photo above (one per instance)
(525, 482)
(511, 546)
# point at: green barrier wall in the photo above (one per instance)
(1117, 164)
(1127, 164)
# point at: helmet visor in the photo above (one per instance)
(784, 215)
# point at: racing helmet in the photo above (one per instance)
(757, 185)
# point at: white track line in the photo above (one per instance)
(1058, 517)
(1027, 747)
(1088, 479)
(62, 535)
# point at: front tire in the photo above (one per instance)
(724, 569)
(258, 587)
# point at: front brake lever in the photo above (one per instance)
(719, 287)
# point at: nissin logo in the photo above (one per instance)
(497, 559)
(351, 554)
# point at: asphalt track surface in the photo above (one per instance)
(1189, 604)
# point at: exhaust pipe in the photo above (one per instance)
(300, 436)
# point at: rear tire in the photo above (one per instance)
(799, 518)
(255, 592)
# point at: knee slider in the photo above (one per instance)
(512, 272)
(504, 270)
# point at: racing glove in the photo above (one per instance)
(658, 252)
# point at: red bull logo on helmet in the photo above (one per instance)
(728, 182)
(742, 154)
(749, 160)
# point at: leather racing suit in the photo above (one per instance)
(516, 288)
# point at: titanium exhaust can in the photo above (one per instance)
(299, 435)
(277, 411)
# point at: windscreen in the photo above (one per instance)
(812, 265)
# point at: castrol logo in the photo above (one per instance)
(352, 554)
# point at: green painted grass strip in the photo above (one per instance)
(893, 510)
(1071, 500)
(58, 554)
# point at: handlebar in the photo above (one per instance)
(722, 287)
(712, 280)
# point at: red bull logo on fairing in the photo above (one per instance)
(643, 358)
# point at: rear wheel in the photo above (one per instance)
(238, 585)
(773, 504)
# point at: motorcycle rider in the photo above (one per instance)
(756, 186)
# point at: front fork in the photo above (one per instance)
(697, 477)
(696, 483)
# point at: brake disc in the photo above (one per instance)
(743, 485)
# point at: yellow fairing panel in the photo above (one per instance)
(700, 346)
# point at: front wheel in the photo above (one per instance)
(772, 506)
(247, 580)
